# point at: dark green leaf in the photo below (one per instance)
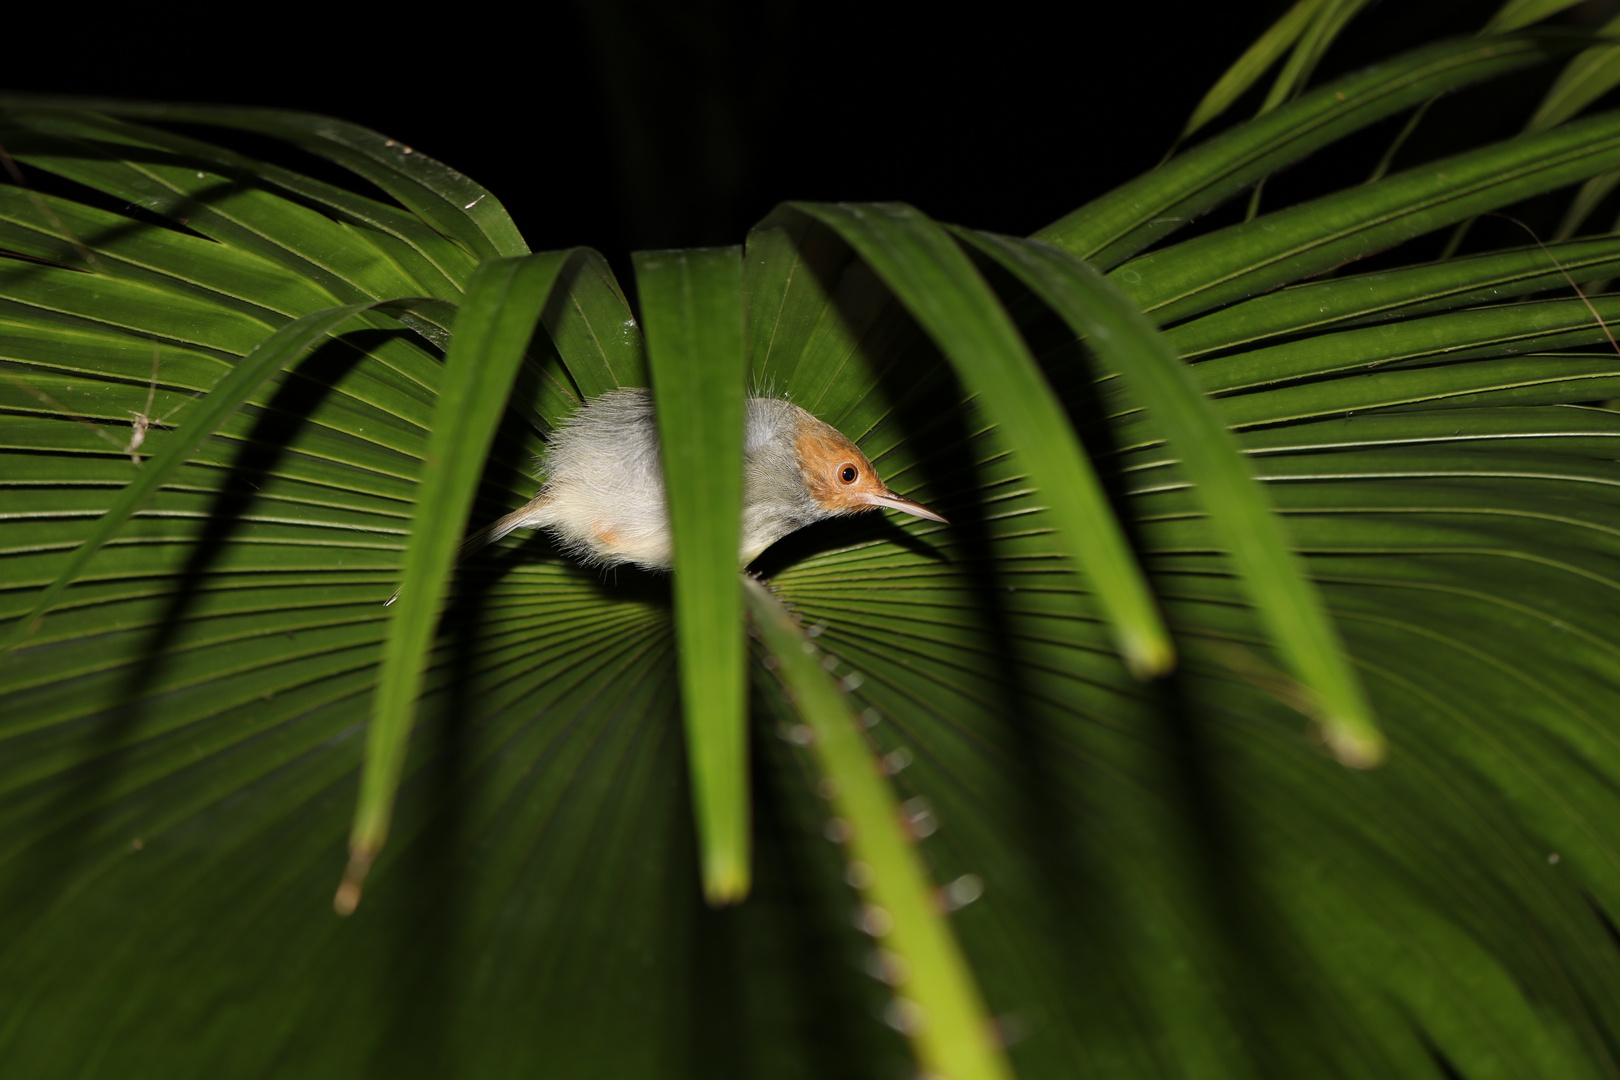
(1318, 36)
(456, 206)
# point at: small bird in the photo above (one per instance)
(603, 497)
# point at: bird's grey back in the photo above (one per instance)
(611, 445)
(603, 472)
(614, 441)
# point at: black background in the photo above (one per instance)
(626, 124)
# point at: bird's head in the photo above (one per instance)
(839, 477)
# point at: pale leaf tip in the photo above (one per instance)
(1355, 749)
(347, 897)
(1149, 658)
(725, 885)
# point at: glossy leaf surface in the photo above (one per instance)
(1304, 240)
(493, 328)
(1238, 510)
(1145, 879)
(946, 295)
(692, 304)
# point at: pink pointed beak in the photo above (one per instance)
(892, 501)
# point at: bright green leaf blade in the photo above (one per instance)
(430, 257)
(692, 313)
(1534, 379)
(195, 269)
(234, 202)
(1573, 431)
(493, 330)
(442, 196)
(54, 229)
(1318, 36)
(955, 306)
(1291, 244)
(790, 259)
(445, 199)
(90, 311)
(1497, 331)
(1255, 62)
(815, 310)
(938, 1006)
(1584, 79)
(1240, 514)
(1110, 229)
(441, 265)
(268, 359)
(161, 313)
(593, 330)
(1398, 294)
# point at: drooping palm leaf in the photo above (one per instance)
(1173, 880)
(1248, 529)
(939, 286)
(692, 302)
(498, 319)
(936, 1002)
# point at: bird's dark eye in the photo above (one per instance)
(848, 473)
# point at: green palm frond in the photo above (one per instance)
(1196, 487)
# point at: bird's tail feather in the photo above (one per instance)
(527, 514)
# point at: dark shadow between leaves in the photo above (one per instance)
(622, 583)
(1268, 1000)
(836, 533)
(786, 966)
(1443, 1064)
(423, 893)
